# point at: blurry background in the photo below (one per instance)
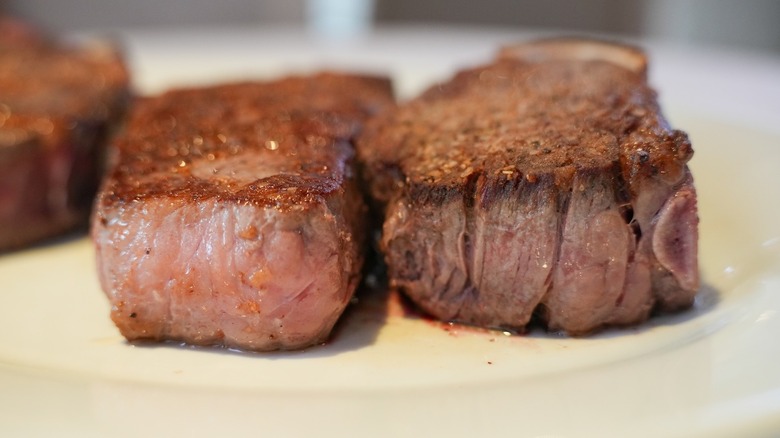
(747, 24)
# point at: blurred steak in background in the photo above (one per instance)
(58, 104)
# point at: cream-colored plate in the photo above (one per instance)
(65, 371)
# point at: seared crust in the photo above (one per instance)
(518, 119)
(302, 124)
(546, 183)
(234, 216)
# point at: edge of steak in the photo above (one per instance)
(546, 183)
(233, 215)
(58, 105)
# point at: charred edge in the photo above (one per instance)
(420, 193)
(470, 193)
(497, 189)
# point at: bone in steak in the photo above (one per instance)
(546, 183)
(57, 106)
(233, 215)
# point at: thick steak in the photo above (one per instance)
(233, 215)
(57, 105)
(546, 183)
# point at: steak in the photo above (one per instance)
(544, 186)
(58, 104)
(233, 215)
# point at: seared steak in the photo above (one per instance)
(233, 215)
(546, 183)
(57, 105)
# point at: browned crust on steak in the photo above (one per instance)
(300, 119)
(546, 120)
(233, 214)
(517, 119)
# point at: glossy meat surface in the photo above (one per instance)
(546, 183)
(233, 215)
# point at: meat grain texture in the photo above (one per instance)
(233, 215)
(58, 104)
(545, 185)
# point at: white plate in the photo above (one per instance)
(65, 371)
